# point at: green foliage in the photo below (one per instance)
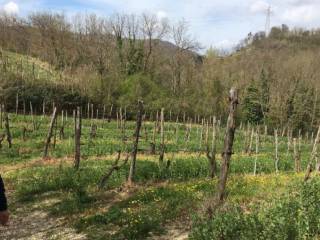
(264, 92)
(141, 214)
(141, 86)
(294, 216)
(252, 109)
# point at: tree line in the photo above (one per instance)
(118, 59)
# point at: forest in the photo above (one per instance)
(125, 127)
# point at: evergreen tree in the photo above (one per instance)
(251, 105)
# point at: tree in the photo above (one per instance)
(252, 108)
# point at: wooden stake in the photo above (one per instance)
(50, 131)
(135, 144)
(228, 144)
(77, 138)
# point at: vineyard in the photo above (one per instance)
(173, 184)
(124, 127)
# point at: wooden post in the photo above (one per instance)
(246, 139)
(88, 110)
(299, 140)
(17, 103)
(257, 152)
(92, 111)
(110, 114)
(24, 109)
(289, 137)
(50, 131)
(43, 108)
(228, 144)
(212, 155)
(104, 112)
(7, 126)
(1, 114)
(162, 146)
(153, 144)
(296, 156)
(201, 136)
(177, 130)
(32, 117)
(135, 143)
(251, 141)
(276, 150)
(313, 156)
(77, 138)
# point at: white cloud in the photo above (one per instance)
(162, 15)
(305, 13)
(259, 7)
(11, 8)
(225, 44)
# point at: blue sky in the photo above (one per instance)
(217, 23)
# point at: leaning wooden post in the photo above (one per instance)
(135, 143)
(251, 141)
(228, 144)
(50, 131)
(7, 126)
(313, 156)
(77, 138)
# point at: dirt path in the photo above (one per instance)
(35, 224)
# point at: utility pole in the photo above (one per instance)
(268, 21)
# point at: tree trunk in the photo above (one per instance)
(135, 143)
(50, 131)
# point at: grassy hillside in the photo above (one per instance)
(28, 67)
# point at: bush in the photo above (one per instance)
(295, 216)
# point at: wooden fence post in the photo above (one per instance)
(53, 120)
(313, 156)
(228, 144)
(162, 146)
(7, 126)
(77, 138)
(276, 150)
(257, 152)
